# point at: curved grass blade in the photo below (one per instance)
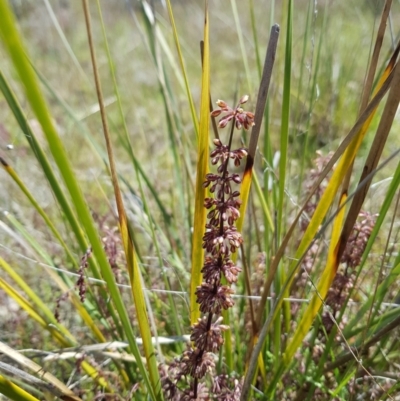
(337, 178)
(360, 195)
(374, 155)
(64, 288)
(29, 308)
(202, 168)
(99, 150)
(35, 386)
(55, 185)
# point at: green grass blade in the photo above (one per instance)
(242, 45)
(285, 119)
(317, 300)
(183, 69)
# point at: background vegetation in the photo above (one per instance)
(66, 284)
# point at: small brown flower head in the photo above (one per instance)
(211, 270)
(196, 363)
(214, 298)
(226, 389)
(230, 271)
(221, 244)
(242, 118)
(340, 288)
(221, 153)
(237, 155)
(358, 239)
(168, 384)
(221, 185)
(213, 179)
(233, 237)
(62, 298)
(81, 283)
(210, 339)
(220, 239)
(227, 210)
(202, 393)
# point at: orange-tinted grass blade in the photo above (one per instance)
(152, 379)
(202, 168)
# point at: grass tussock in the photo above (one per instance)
(159, 243)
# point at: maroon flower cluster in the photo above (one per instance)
(80, 283)
(241, 118)
(220, 240)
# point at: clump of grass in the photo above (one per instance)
(313, 314)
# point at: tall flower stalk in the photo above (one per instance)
(220, 241)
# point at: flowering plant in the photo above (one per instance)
(221, 239)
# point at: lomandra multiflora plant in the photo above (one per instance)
(186, 377)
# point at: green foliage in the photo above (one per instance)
(104, 143)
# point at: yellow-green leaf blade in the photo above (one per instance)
(202, 168)
(13, 391)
